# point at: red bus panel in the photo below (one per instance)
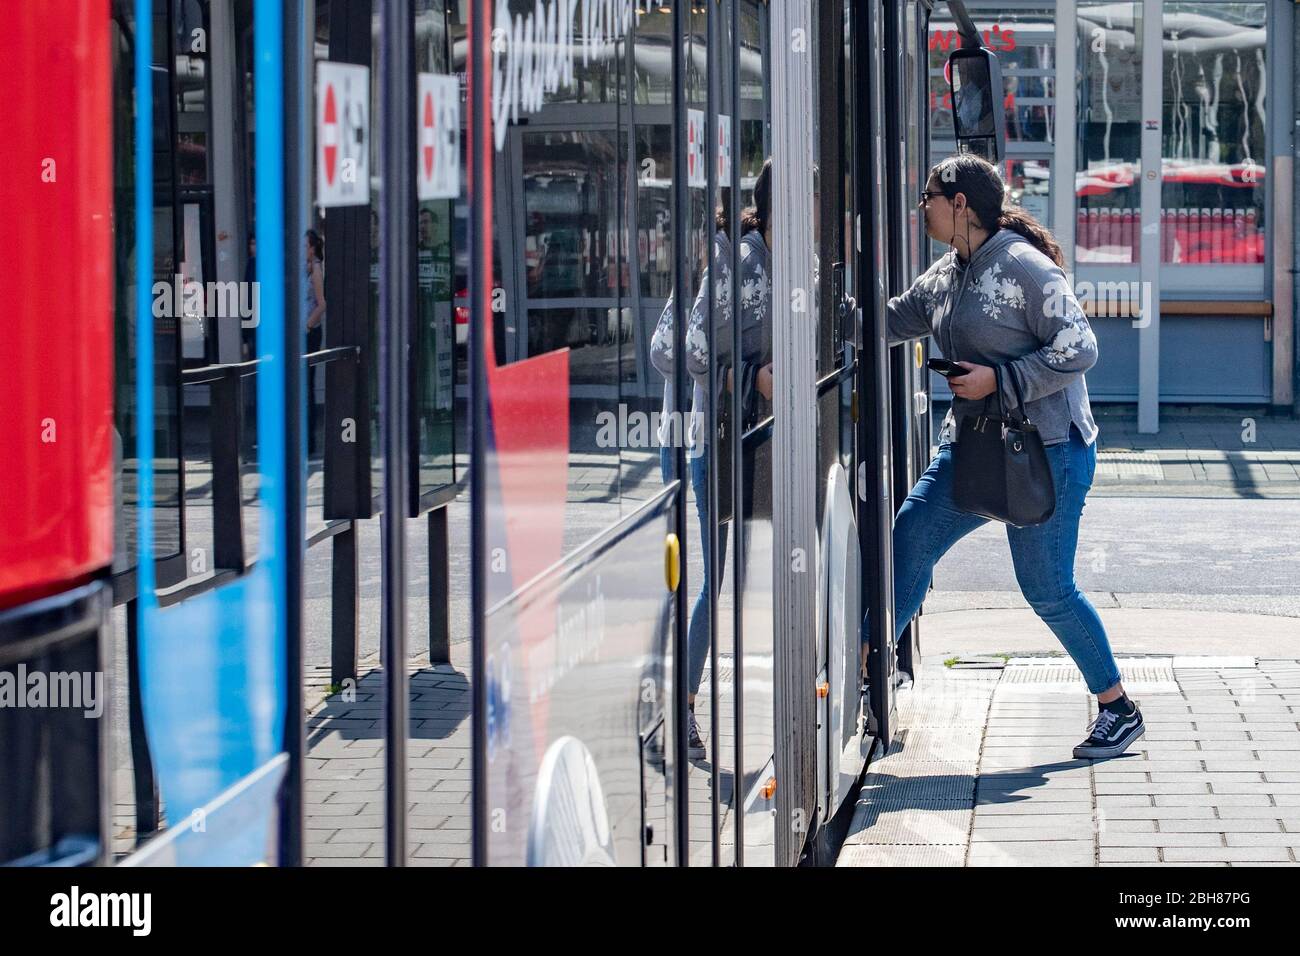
(56, 261)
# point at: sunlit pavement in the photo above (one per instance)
(1198, 452)
(1197, 597)
(344, 793)
(982, 774)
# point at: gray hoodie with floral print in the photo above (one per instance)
(1010, 306)
(755, 330)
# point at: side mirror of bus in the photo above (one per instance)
(979, 123)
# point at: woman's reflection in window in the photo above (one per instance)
(753, 372)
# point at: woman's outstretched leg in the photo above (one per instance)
(925, 528)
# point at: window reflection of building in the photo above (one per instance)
(1109, 116)
(583, 235)
(1214, 123)
(1213, 133)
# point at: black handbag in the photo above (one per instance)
(1000, 468)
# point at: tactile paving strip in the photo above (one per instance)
(910, 854)
(938, 743)
(894, 821)
(916, 802)
(1129, 466)
(918, 769)
(948, 711)
(1144, 676)
(940, 787)
(1061, 673)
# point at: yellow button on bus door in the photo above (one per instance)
(672, 562)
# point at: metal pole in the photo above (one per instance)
(227, 504)
(343, 605)
(480, 238)
(1065, 148)
(296, 67)
(1152, 46)
(397, 267)
(737, 461)
(711, 175)
(681, 797)
(439, 587)
(146, 786)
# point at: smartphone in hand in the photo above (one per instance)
(946, 369)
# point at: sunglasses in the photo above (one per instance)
(928, 194)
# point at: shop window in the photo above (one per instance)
(1109, 130)
(1213, 145)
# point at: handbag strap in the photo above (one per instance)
(1020, 396)
(997, 375)
(1019, 415)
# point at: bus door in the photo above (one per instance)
(215, 655)
(875, 477)
(577, 534)
(840, 697)
(906, 130)
(892, 427)
(730, 665)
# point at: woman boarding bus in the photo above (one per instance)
(999, 298)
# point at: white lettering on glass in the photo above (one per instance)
(534, 54)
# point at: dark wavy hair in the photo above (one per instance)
(986, 195)
(317, 244)
(752, 217)
(722, 214)
(757, 215)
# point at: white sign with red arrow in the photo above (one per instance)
(342, 134)
(437, 165)
(724, 151)
(696, 175)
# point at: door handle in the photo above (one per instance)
(845, 332)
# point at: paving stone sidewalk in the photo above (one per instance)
(344, 792)
(982, 773)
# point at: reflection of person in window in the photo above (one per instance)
(427, 222)
(313, 307)
(973, 112)
(756, 337)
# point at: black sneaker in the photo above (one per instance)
(694, 744)
(1110, 734)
